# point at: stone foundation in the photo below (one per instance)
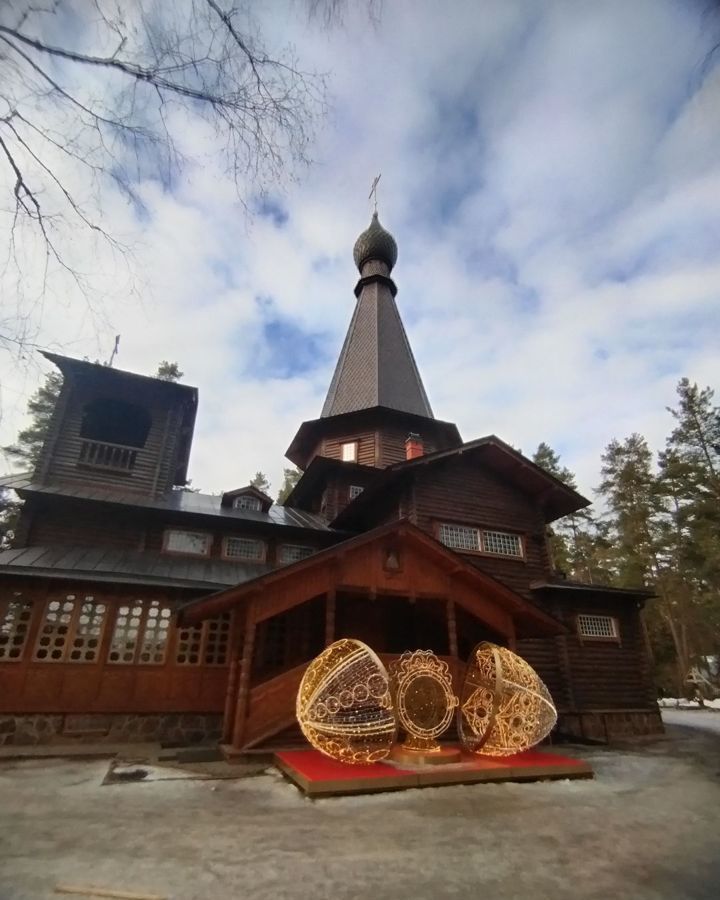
(168, 728)
(607, 725)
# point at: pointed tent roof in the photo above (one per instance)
(376, 365)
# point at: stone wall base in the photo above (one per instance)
(606, 725)
(168, 728)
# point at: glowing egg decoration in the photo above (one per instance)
(344, 706)
(505, 707)
(424, 698)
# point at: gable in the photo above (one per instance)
(395, 560)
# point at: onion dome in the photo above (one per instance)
(375, 243)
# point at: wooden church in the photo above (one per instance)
(133, 610)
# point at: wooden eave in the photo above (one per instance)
(528, 619)
(555, 498)
(310, 432)
(316, 474)
(560, 588)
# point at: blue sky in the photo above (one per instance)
(551, 172)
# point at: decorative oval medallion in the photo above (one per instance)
(344, 706)
(424, 698)
(505, 707)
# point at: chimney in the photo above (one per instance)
(413, 446)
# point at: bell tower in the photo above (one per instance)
(376, 396)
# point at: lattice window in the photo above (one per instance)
(290, 553)
(141, 633)
(349, 451)
(247, 502)
(194, 543)
(355, 491)
(72, 630)
(460, 537)
(244, 548)
(189, 645)
(15, 616)
(206, 643)
(218, 640)
(597, 627)
(502, 543)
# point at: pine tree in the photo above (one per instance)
(169, 371)
(290, 479)
(575, 542)
(260, 481)
(29, 443)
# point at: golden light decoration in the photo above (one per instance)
(344, 706)
(505, 707)
(424, 698)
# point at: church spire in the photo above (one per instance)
(376, 365)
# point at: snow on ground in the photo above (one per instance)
(682, 703)
(703, 719)
(645, 828)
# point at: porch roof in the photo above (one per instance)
(528, 619)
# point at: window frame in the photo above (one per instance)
(206, 534)
(145, 604)
(243, 498)
(242, 537)
(598, 638)
(289, 562)
(355, 444)
(27, 604)
(481, 530)
(79, 599)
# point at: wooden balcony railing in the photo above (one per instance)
(100, 455)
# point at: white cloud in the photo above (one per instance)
(550, 172)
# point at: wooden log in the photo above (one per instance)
(87, 890)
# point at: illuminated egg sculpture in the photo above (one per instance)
(424, 698)
(505, 707)
(344, 706)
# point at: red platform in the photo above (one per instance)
(318, 775)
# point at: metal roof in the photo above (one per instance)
(127, 567)
(176, 501)
(376, 365)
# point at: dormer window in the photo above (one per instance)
(247, 501)
(349, 451)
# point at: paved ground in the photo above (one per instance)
(648, 827)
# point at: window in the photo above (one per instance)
(349, 451)
(206, 643)
(597, 627)
(460, 537)
(244, 548)
(355, 491)
(112, 421)
(466, 537)
(244, 501)
(194, 543)
(502, 543)
(290, 553)
(140, 633)
(71, 630)
(15, 615)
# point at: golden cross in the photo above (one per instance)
(373, 190)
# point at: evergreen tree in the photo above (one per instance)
(260, 481)
(29, 443)
(169, 371)
(575, 541)
(291, 477)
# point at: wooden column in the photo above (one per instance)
(512, 638)
(243, 691)
(233, 675)
(330, 617)
(452, 629)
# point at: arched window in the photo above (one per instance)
(115, 422)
